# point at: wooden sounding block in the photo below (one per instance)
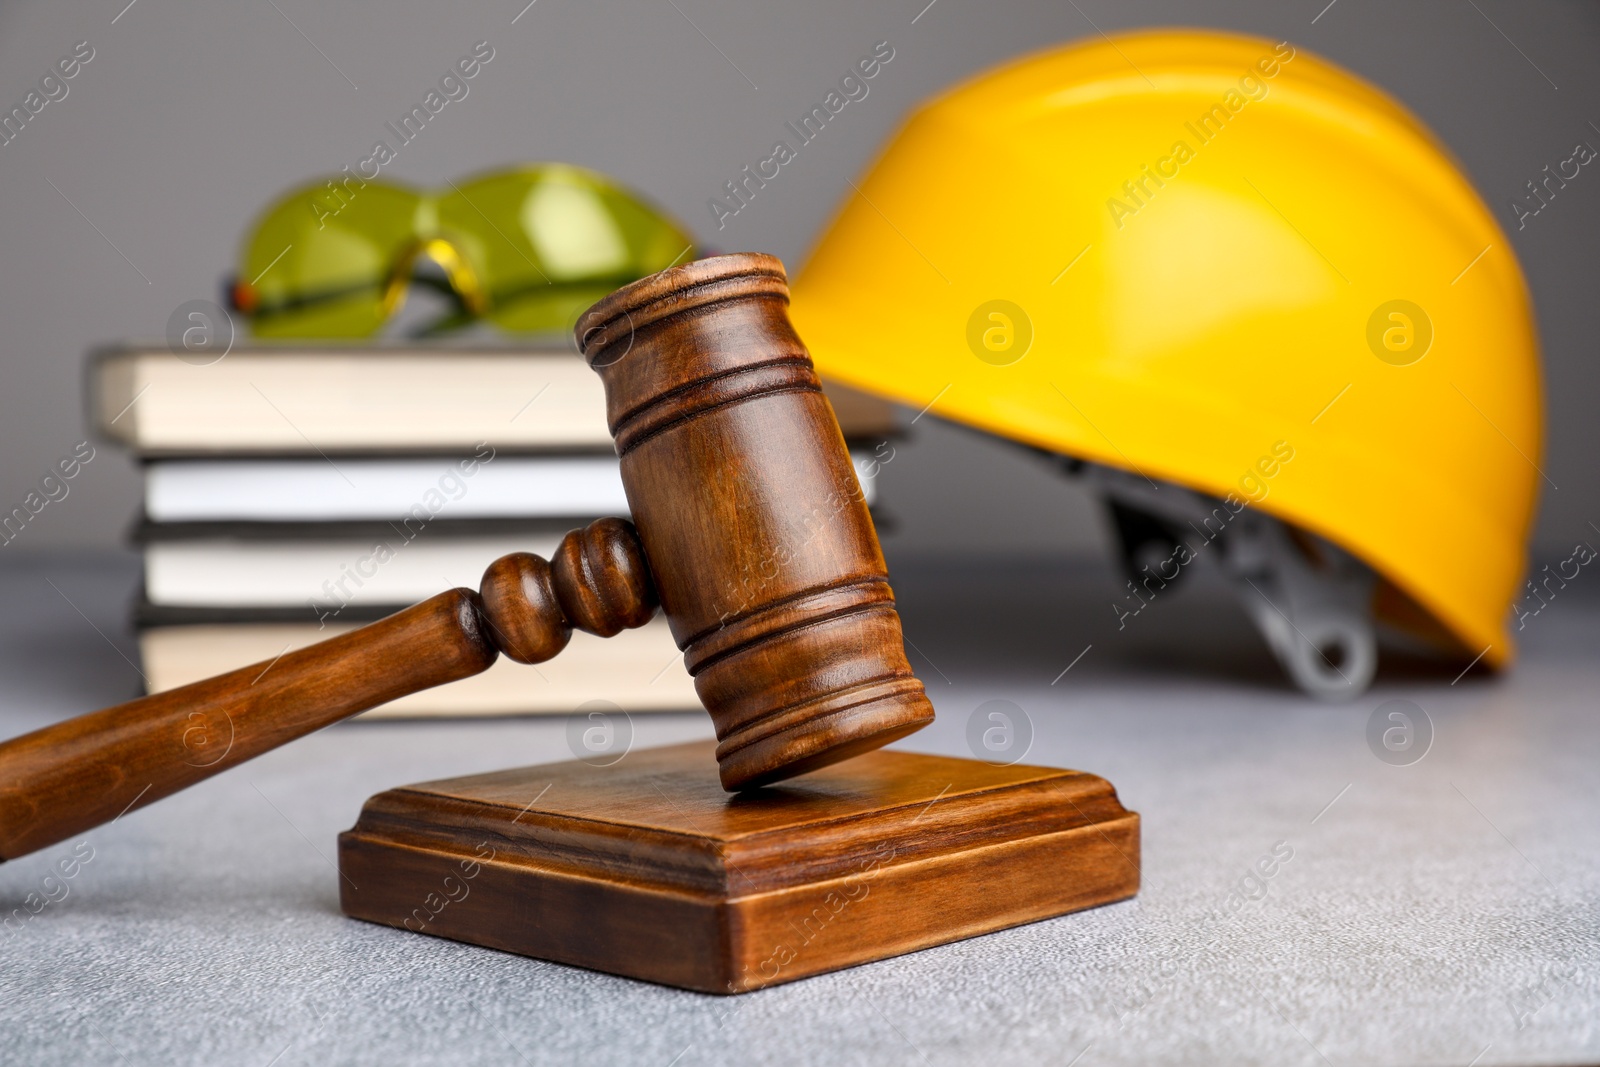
(648, 869)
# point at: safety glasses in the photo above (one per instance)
(527, 249)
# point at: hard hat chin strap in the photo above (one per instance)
(1310, 599)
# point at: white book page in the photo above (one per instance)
(317, 490)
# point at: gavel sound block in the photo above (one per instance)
(646, 868)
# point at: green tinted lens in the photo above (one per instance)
(546, 241)
(319, 260)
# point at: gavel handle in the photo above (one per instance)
(64, 779)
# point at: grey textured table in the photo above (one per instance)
(1442, 912)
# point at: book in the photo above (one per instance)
(326, 569)
(323, 568)
(311, 489)
(413, 399)
(638, 670)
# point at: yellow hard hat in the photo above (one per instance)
(1219, 265)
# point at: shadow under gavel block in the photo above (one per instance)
(649, 869)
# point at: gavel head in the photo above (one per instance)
(752, 519)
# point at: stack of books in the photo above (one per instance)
(293, 493)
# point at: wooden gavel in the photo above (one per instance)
(749, 529)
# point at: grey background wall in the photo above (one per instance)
(130, 195)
